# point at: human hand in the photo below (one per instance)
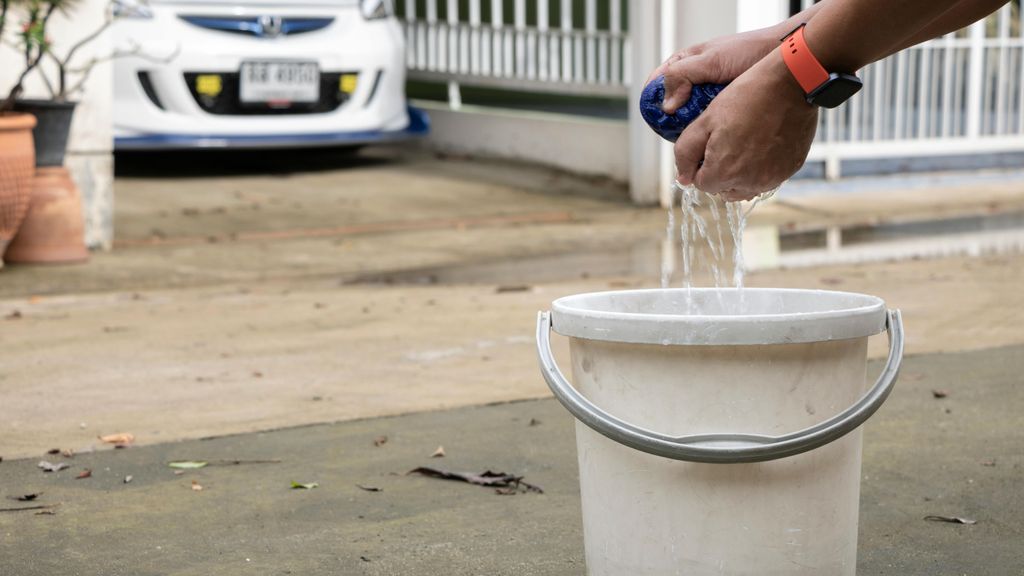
(755, 134)
(717, 61)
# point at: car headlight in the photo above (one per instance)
(131, 9)
(376, 9)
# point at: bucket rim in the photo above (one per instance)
(849, 315)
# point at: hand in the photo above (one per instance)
(717, 61)
(752, 137)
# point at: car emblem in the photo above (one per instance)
(270, 26)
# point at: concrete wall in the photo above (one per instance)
(90, 158)
(575, 143)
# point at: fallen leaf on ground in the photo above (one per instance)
(950, 519)
(380, 441)
(364, 558)
(486, 478)
(23, 508)
(196, 486)
(53, 451)
(369, 488)
(534, 422)
(45, 513)
(188, 464)
(120, 439)
(128, 479)
(940, 393)
(16, 315)
(67, 453)
(301, 486)
(85, 473)
(51, 467)
(26, 497)
(179, 472)
(439, 453)
(512, 288)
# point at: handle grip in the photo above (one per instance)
(724, 448)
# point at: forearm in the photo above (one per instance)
(846, 36)
(965, 13)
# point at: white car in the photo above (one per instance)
(259, 73)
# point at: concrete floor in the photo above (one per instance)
(956, 456)
(239, 303)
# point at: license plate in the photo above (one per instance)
(279, 82)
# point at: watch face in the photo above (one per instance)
(836, 90)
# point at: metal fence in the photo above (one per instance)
(561, 46)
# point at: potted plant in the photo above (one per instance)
(52, 230)
(17, 158)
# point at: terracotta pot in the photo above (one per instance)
(17, 165)
(53, 231)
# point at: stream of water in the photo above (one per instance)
(703, 233)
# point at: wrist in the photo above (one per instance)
(785, 85)
(833, 56)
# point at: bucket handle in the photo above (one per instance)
(722, 448)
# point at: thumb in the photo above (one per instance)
(680, 77)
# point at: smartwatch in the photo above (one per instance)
(821, 88)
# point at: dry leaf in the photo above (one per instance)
(534, 422)
(439, 453)
(26, 497)
(85, 473)
(380, 441)
(369, 488)
(940, 393)
(128, 479)
(121, 439)
(950, 519)
(50, 467)
(301, 486)
(67, 453)
(16, 315)
(53, 451)
(486, 478)
(196, 486)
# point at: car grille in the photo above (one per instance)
(262, 26)
(228, 103)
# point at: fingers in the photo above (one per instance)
(689, 151)
(680, 76)
(663, 67)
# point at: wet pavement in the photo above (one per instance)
(956, 456)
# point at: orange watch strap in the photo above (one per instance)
(808, 72)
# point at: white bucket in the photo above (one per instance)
(756, 399)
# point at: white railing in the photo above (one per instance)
(542, 56)
(962, 93)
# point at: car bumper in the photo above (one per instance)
(418, 126)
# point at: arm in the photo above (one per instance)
(723, 59)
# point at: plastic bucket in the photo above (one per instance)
(724, 440)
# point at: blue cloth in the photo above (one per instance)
(671, 126)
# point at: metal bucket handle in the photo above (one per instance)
(722, 448)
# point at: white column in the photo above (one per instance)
(644, 157)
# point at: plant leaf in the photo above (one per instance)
(300, 486)
(188, 464)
